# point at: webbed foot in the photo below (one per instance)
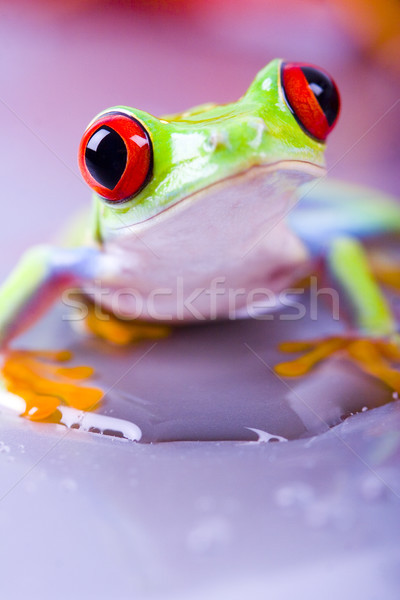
(377, 357)
(386, 269)
(44, 383)
(120, 332)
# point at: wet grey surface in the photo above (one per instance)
(95, 516)
(88, 516)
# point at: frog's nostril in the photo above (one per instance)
(115, 156)
(216, 139)
(312, 96)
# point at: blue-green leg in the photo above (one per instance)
(372, 343)
(348, 264)
(39, 279)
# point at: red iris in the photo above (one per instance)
(115, 156)
(312, 96)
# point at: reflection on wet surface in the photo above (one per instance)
(206, 382)
(44, 385)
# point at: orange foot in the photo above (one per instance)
(45, 386)
(120, 331)
(376, 357)
(386, 269)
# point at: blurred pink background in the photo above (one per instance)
(63, 63)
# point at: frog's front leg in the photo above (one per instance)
(41, 378)
(41, 276)
(373, 341)
(36, 376)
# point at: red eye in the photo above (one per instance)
(115, 156)
(313, 98)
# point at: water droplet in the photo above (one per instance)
(68, 484)
(209, 534)
(4, 449)
(297, 494)
(372, 488)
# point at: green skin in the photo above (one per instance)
(208, 145)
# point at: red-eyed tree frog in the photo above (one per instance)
(195, 211)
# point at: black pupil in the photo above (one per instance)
(325, 92)
(106, 157)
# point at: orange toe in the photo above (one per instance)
(45, 386)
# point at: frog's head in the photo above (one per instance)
(139, 165)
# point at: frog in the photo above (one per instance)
(192, 215)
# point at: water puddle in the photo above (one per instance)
(200, 384)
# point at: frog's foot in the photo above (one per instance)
(385, 268)
(377, 357)
(44, 383)
(120, 331)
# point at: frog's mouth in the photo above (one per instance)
(273, 183)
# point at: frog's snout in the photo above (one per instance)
(115, 156)
(312, 96)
